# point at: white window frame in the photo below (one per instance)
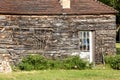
(90, 43)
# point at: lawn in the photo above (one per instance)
(96, 74)
(118, 45)
(63, 75)
(118, 48)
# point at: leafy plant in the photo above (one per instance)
(38, 62)
(118, 50)
(113, 61)
(55, 64)
(33, 62)
(26, 66)
(74, 62)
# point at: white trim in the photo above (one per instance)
(87, 54)
(91, 46)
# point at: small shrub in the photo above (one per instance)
(33, 62)
(113, 61)
(74, 62)
(118, 51)
(37, 62)
(26, 66)
(55, 64)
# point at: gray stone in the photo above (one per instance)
(55, 35)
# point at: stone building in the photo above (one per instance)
(57, 28)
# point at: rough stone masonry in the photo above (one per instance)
(55, 35)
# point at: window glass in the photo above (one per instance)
(84, 40)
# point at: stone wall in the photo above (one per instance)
(5, 63)
(55, 35)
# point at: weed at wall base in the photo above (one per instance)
(113, 61)
(38, 62)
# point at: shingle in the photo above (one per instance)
(53, 7)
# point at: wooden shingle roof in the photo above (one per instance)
(53, 7)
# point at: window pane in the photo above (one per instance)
(84, 40)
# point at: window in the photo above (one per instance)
(84, 41)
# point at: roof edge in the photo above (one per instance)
(97, 13)
(101, 3)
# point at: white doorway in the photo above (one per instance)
(86, 45)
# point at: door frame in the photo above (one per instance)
(91, 44)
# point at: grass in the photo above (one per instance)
(117, 45)
(118, 48)
(63, 75)
(98, 73)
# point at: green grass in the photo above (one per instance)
(98, 73)
(117, 45)
(63, 75)
(118, 48)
